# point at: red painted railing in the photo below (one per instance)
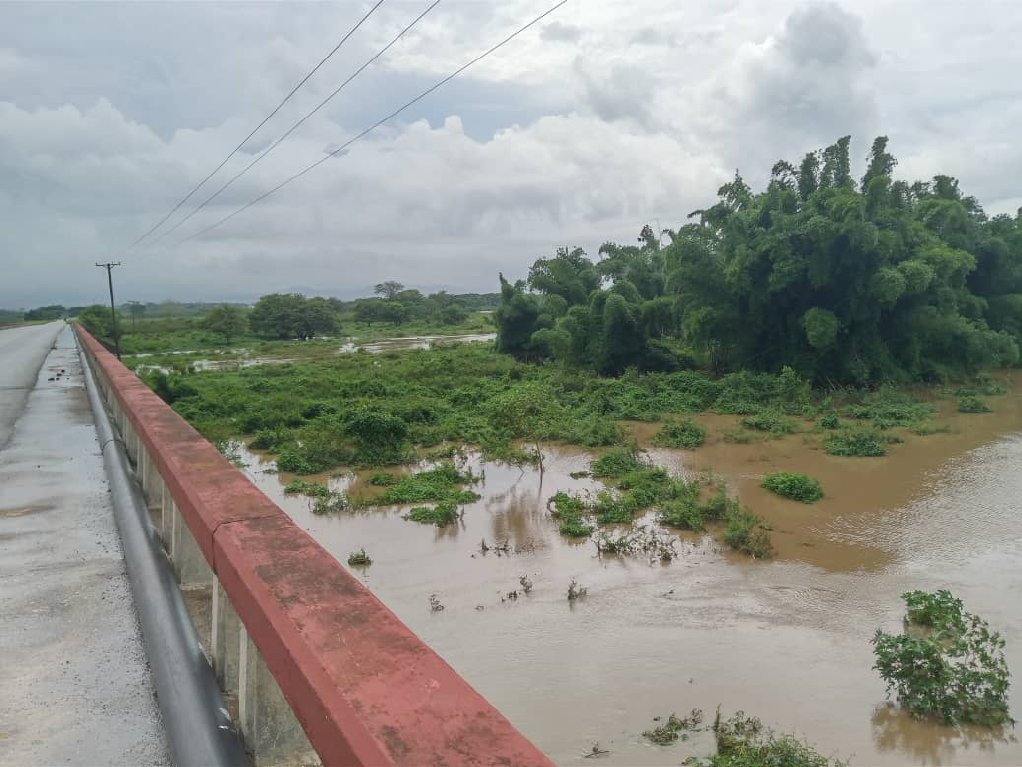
(366, 690)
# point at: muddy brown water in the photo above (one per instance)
(786, 640)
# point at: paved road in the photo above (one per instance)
(22, 351)
(74, 684)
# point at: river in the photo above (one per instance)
(786, 640)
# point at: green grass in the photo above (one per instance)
(440, 515)
(970, 403)
(745, 532)
(769, 421)
(685, 434)
(794, 485)
(304, 487)
(857, 441)
(442, 484)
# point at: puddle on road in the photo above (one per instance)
(786, 640)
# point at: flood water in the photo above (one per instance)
(786, 640)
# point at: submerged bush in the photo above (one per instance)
(743, 741)
(856, 441)
(439, 515)
(441, 484)
(948, 665)
(794, 485)
(359, 559)
(972, 404)
(771, 422)
(670, 729)
(304, 487)
(685, 434)
(745, 532)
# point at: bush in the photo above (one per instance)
(383, 479)
(972, 404)
(794, 485)
(856, 441)
(684, 434)
(439, 515)
(304, 487)
(829, 421)
(745, 532)
(770, 422)
(441, 485)
(359, 559)
(948, 665)
(742, 741)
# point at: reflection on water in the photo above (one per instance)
(787, 640)
(414, 342)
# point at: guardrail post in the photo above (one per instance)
(269, 731)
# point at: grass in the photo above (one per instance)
(857, 441)
(793, 485)
(743, 741)
(359, 559)
(441, 484)
(685, 434)
(440, 515)
(670, 729)
(745, 532)
(971, 403)
(304, 487)
(769, 421)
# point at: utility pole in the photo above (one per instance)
(113, 312)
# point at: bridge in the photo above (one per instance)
(255, 645)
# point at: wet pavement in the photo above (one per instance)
(75, 683)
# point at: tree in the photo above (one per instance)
(291, 315)
(388, 289)
(227, 321)
(96, 319)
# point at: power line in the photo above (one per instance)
(374, 126)
(266, 119)
(294, 127)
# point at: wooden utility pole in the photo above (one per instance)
(113, 312)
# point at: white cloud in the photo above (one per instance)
(608, 116)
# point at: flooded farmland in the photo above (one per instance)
(786, 640)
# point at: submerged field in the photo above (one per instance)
(786, 639)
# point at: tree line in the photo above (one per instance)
(843, 280)
(284, 316)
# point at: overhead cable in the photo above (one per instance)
(255, 130)
(372, 127)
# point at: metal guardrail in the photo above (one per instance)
(316, 668)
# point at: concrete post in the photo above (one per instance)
(269, 730)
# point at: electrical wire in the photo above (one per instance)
(266, 119)
(372, 127)
(294, 127)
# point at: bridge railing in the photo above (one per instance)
(316, 668)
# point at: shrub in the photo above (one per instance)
(742, 741)
(745, 532)
(856, 441)
(439, 515)
(383, 479)
(359, 559)
(304, 487)
(574, 527)
(829, 421)
(769, 421)
(615, 463)
(972, 404)
(794, 485)
(684, 434)
(670, 730)
(440, 485)
(948, 665)
(887, 408)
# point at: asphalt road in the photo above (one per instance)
(75, 686)
(22, 351)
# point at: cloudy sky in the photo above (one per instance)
(605, 116)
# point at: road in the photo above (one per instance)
(75, 684)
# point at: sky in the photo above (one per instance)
(603, 117)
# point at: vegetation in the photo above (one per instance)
(442, 484)
(970, 403)
(794, 485)
(746, 532)
(670, 729)
(292, 315)
(856, 441)
(304, 487)
(845, 281)
(359, 559)
(227, 321)
(947, 665)
(440, 515)
(743, 741)
(685, 434)
(575, 591)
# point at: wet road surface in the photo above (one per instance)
(75, 683)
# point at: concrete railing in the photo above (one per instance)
(315, 667)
